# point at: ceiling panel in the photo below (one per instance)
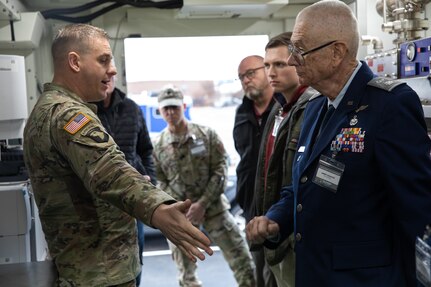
(197, 9)
(51, 4)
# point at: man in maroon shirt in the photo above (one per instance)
(278, 146)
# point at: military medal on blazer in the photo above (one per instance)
(350, 139)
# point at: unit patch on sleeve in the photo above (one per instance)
(76, 123)
(97, 135)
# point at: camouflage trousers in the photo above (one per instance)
(128, 284)
(223, 230)
(64, 283)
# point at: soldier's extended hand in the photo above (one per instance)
(172, 222)
(261, 228)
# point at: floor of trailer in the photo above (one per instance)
(160, 271)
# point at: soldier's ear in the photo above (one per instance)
(74, 61)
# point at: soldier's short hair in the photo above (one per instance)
(75, 37)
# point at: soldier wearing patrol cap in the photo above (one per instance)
(170, 96)
(86, 192)
(191, 163)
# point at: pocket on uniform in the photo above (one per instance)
(292, 144)
(361, 255)
(228, 223)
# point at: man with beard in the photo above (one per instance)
(250, 119)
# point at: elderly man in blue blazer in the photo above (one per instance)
(361, 190)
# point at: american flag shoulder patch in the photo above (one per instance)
(76, 123)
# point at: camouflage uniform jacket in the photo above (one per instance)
(85, 192)
(279, 171)
(193, 166)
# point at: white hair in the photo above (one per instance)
(334, 20)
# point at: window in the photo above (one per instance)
(204, 68)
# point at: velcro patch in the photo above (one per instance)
(76, 123)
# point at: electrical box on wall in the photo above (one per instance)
(415, 58)
(15, 224)
(384, 64)
(27, 32)
(13, 99)
(13, 95)
(9, 10)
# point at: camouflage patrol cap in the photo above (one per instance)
(170, 97)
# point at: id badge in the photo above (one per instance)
(198, 148)
(328, 173)
(277, 122)
(423, 262)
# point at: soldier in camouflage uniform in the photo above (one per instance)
(85, 190)
(191, 164)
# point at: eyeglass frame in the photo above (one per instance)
(294, 50)
(250, 73)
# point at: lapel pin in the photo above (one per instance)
(361, 108)
(354, 120)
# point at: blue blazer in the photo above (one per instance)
(364, 233)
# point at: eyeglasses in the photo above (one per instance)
(298, 56)
(249, 74)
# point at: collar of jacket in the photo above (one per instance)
(117, 98)
(247, 106)
(180, 139)
(282, 100)
(47, 87)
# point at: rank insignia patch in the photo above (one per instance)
(76, 123)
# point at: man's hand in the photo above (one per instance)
(261, 228)
(196, 213)
(172, 222)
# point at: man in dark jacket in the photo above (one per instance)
(279, 143)
(250, 120)
(124, 121)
